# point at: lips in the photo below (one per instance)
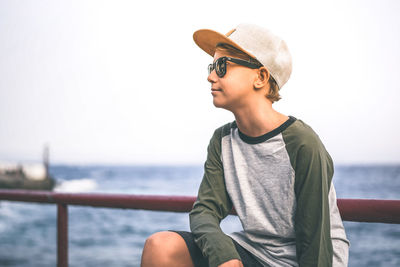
(216, 90)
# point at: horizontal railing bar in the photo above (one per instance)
(358, 210)
(369, 210)
(121, 201)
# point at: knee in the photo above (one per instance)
(156, 241)
(161, 245)
(165, 249)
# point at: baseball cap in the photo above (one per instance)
(257, 42)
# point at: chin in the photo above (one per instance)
(218, 104)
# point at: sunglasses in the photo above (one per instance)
(220, 65)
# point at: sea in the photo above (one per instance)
(115, 237)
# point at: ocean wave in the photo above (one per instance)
(7, 210)
(11, 212)
(76, 186)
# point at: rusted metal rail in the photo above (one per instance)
(357, 210)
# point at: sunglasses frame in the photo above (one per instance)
(221, 62)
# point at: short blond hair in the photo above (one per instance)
(273, 93)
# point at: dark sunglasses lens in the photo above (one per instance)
(220, 67)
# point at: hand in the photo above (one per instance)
(232, 263)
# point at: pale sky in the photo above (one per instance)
(122, 82)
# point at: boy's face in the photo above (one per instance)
(236, 89)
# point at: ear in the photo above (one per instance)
(262, 78)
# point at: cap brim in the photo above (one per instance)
(209, 39)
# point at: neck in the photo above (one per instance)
(258, 119)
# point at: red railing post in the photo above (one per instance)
(62, 235)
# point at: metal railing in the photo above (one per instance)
(357, 210)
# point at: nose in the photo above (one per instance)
(212, 77)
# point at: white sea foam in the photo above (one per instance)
(76, 186)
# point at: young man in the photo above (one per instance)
(272, 168)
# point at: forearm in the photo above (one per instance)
(213, 243)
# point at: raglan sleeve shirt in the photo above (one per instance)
(212, 205)
(306, 227)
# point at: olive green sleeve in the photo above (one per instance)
(313, 175)
(212, 205)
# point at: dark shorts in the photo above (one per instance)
(199, 260)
